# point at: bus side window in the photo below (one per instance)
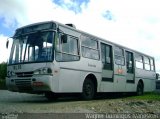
(119, 56)
(152, 64)
(90, 48)
(67, 48)
(129, 61)
(146, 63)
(106, 54)
(139, 61)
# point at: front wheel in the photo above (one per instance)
(88, 90)
(50, 96)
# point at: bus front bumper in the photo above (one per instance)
(34, 84)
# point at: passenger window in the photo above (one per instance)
(90, 48)
(152, 64)
(86, 41)
(146, 63)
(119, 56)
(118, 51)
(106, 54)
(139, 61)
(129, 61)
(68, 49)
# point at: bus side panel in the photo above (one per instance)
(93, 67)
(131, 87)
(69, 77)
(106, 87)
(73, 74)
(97, 76)
(69, 81)
(148, 78)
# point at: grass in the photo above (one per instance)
(147, 96)
(2, 84)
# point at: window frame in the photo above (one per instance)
(120, 56)
(59, 51)
(139, 61)
(106, 65)
(83, 46)
(130, 57)
(152, 64)
(147, 64)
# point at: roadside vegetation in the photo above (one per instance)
(3, 74)
(154, 96)
(148, 96)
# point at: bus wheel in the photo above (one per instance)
(139, 88)
(50, 96)
(88, 90)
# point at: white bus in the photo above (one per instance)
(53, 58)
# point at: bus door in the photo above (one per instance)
(107, 68)
(130, 75)
(119, 70)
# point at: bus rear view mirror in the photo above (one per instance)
(64, 38)
(7, 43)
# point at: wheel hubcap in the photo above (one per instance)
(88, 90)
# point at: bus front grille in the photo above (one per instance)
(24, 74)
(23, 84)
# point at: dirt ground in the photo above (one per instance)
(12, 102)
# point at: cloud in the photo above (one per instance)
(12, 12)
(131, 23)
(73, 5)
(4, 53)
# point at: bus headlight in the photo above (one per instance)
(44, 70)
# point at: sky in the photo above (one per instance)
(131, 23)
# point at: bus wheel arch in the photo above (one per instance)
(140, 87)
(89, 87)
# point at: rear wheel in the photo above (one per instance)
(139, 88)
(88, 90)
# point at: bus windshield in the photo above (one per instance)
(33, 47)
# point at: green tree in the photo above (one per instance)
(3, 70)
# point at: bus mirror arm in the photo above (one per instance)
(157, 76)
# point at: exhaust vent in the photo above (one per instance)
(71, 25)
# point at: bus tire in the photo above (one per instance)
(50, 96)
(88, 92)
(139, 88)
